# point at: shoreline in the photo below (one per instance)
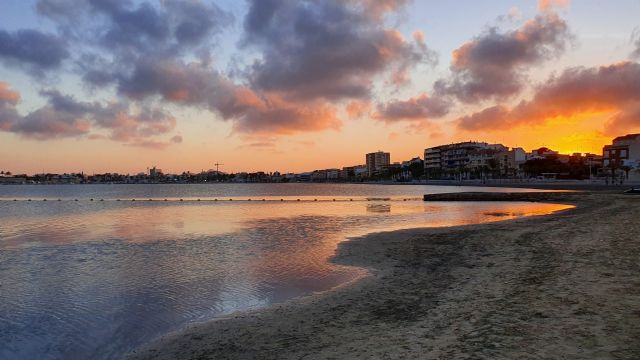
(497, 183)
(538, 286)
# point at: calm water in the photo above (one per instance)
(96, 279)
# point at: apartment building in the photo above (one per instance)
(623, 156)
(377, 162)
(469, 159)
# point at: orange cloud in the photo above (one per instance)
(358, 108)
(545, 5)
(576, 92)
(421, 107)
(7, 95)
(494, 64)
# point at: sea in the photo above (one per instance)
(96, 271)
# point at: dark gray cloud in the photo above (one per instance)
(635, 39)
(252, 112)
(416, 108)
(136, 28)
(605, 89)
(33, 50)
(325, 49)
(63, 116)
(185, 83)
(311, 55)
(111, 37)
(46, 123)
(494, 64)
(125, 126)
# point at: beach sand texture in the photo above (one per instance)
(565, 286)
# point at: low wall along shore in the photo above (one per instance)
(496, 196)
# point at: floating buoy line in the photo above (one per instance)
(210, 200)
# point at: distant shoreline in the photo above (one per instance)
(546, 185)
(550, 286)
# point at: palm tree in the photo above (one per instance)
(626, 170)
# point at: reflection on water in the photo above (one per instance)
(291, 191)
(379, 208)
(97, 279)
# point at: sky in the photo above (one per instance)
(290, 86)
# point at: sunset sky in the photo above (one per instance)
(109, 85)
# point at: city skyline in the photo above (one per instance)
(371, 162)
(250, 84)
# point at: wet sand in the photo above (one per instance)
(565, 286)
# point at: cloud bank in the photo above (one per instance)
(610, 89)
(32, 50)
(421, 107)
(311, 58)
(63, 116)
(493, 65)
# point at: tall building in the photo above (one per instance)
(377, 161)
(623, 155)
(155, 172)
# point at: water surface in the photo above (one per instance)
(96, 279)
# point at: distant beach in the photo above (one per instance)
(559, 286)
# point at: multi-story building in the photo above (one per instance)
(509, 162)
(460, 160)
(353, 173)
(377, 162)
(155, 172)
(541, 153)
(623, 155)
(333, 174)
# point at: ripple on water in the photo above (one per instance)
(95, 281)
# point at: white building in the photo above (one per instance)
(463, 160)
(623, 155)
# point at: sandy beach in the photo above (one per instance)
(564, 286)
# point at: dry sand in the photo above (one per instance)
(565, 286)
